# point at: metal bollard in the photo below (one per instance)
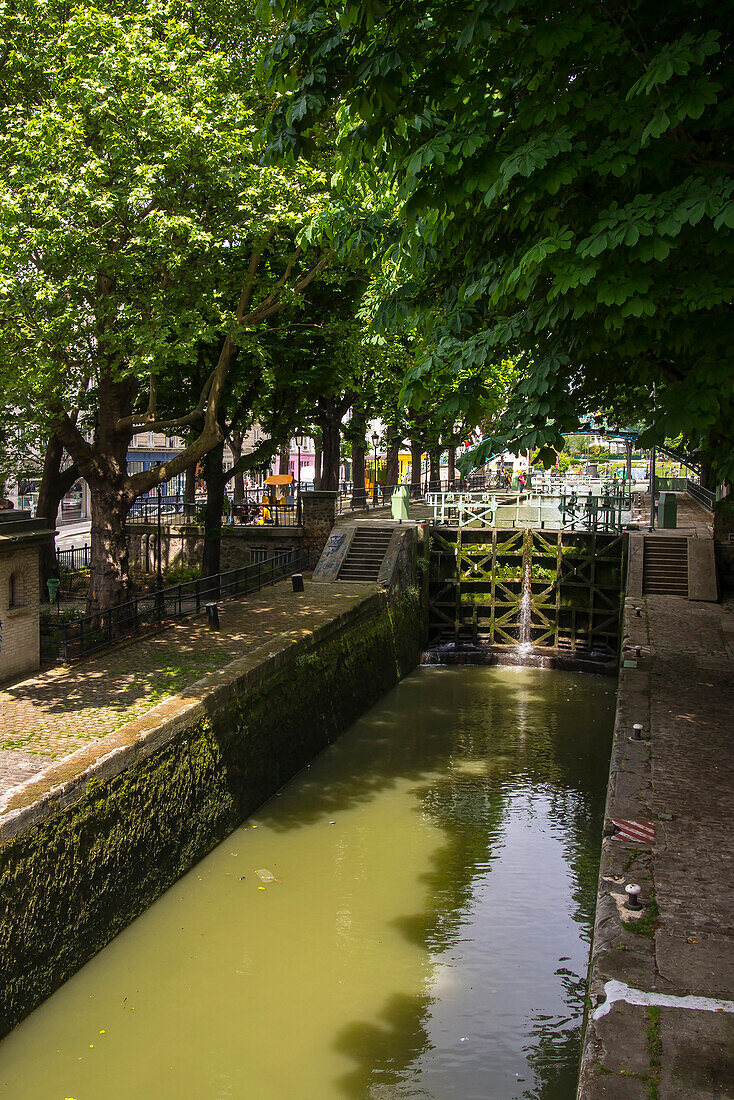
(297, 582)
(212, 616)
(632, 891)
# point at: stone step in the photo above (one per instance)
(665, 566)
(366, 554)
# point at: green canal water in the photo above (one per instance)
(419, 926)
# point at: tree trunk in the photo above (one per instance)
(708, 480)
(215, 483)
(317, 466)
(416, 456)
(434, 477)
(109, 571)
(330, 441)
(452, 465)
(239, 477)
(190, 484)
(628, 448)
(393, 459)
(104, 468)
(283, 460)
(55, 484)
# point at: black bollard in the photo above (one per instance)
(297, 582)
(633, 896)
(212, 616)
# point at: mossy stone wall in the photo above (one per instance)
(72, 882)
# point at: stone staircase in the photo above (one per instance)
(366, 553)
(665, 566)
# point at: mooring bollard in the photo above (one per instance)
(297, 582)
(637, 731)
(212, 616)
(632, 891)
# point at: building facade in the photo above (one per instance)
(20, 541)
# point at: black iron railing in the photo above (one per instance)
(81, 637)
(703, 496)
(253, 511)
(266, 513)
(78, 557)
(173, 510)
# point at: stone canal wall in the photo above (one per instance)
(118, 824)
(660, 1011)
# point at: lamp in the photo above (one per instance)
(299, 444)
(375, 441)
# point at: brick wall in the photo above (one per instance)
(19, 639)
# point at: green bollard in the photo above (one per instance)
(399, 502)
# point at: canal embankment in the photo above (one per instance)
(660, 1020)
(409, 916)
(121, 772)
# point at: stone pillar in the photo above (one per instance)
(86, 500)
(319, 513)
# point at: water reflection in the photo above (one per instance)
(521, 806)
(427, 935)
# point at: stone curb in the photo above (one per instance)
(64, 783)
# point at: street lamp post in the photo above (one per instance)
(652, 462)
(159, 562)
(299, 444)
(375, 441)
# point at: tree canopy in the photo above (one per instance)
(565, 201)
(137, 223)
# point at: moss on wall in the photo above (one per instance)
(70, 884)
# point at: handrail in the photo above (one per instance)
(77, 639)
(248, 513)
(78, 557)
(591, 512)
(703, 496)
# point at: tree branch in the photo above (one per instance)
(211, 432)
(136, 423)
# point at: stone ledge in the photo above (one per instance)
(680, 779)
(66, 782)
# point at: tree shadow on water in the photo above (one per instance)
(385, 1051)
(470, 804)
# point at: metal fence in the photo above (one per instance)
(268, 513)
(145, 510)
(670, 484)
(77, 558)
(379, 496)
(251, 512)
(607, 511)
(703, 496)
(81, 637)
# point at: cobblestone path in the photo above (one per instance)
(52, 714)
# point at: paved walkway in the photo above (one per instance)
(680, 779)
(49, 716)
(693, 518)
